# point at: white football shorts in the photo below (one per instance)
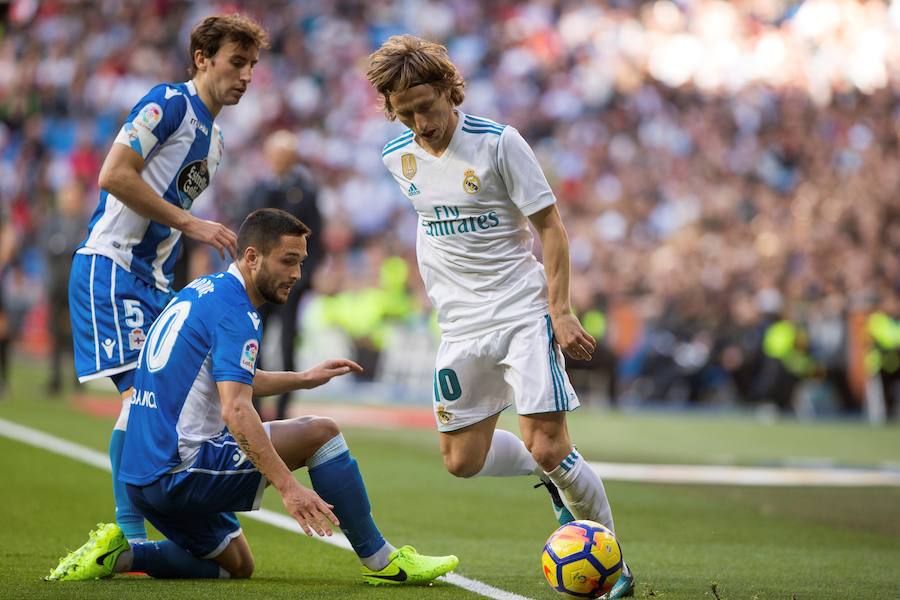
(477, 378)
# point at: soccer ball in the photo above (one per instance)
(582, 559)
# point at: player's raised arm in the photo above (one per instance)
(572, 338)
(121, 177)
(272, 383)
(305, 505)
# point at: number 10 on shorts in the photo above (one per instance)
(447, 385)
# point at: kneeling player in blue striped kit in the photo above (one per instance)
(196, 451)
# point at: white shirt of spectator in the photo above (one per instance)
(474, 245)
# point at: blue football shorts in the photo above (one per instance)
(111, 312)
(194, 508)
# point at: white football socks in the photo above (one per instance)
(124, 562)
(122, 420)
(582, 490)
(507, 457)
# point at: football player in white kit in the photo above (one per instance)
(504, 317)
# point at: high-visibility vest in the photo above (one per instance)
(884, 353)
(594, 322)
(784, 342)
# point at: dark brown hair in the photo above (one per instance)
(264, 228)
(213, 32)
(405, 61)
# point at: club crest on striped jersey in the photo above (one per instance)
(136, 339)
(192, 180)
(471, 183)
(408, 161)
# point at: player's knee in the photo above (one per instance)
(243, 570)
(547, 454)
(316, 430)
(462, 466)
(324, 428)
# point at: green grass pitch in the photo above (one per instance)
(751, 543)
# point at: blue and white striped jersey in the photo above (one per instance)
(209, 332)
(174, 133)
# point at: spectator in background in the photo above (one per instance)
(7, 248)
(741, 351)
(828, 347)
(62, 232)
(289, 186)
(594, 380)
(883, 356)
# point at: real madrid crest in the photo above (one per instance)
(443, 415)
(471, 183)
(409, 165)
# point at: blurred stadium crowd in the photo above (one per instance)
(728, 171)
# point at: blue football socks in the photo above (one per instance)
(127, 516)
(166, 560)
(336, 478)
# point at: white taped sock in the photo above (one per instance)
(330, 449)
(582, 490)
(122, 421)
(507, 457)
(124, 562)
(380, 559)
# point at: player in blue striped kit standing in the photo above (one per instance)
(163, 158)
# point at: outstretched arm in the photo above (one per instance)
(574, 340)
(305, 505)
(271, 383)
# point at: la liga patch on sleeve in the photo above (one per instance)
(149, 117)
(248, 355)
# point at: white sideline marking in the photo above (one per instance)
(754, 476)
(45, 441)
(285, 522)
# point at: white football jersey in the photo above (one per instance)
(474, 245)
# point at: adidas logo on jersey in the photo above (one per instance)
(413, 190)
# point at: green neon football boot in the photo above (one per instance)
(408, 567)
(96, 559)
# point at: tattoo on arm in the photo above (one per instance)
(245, 446)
